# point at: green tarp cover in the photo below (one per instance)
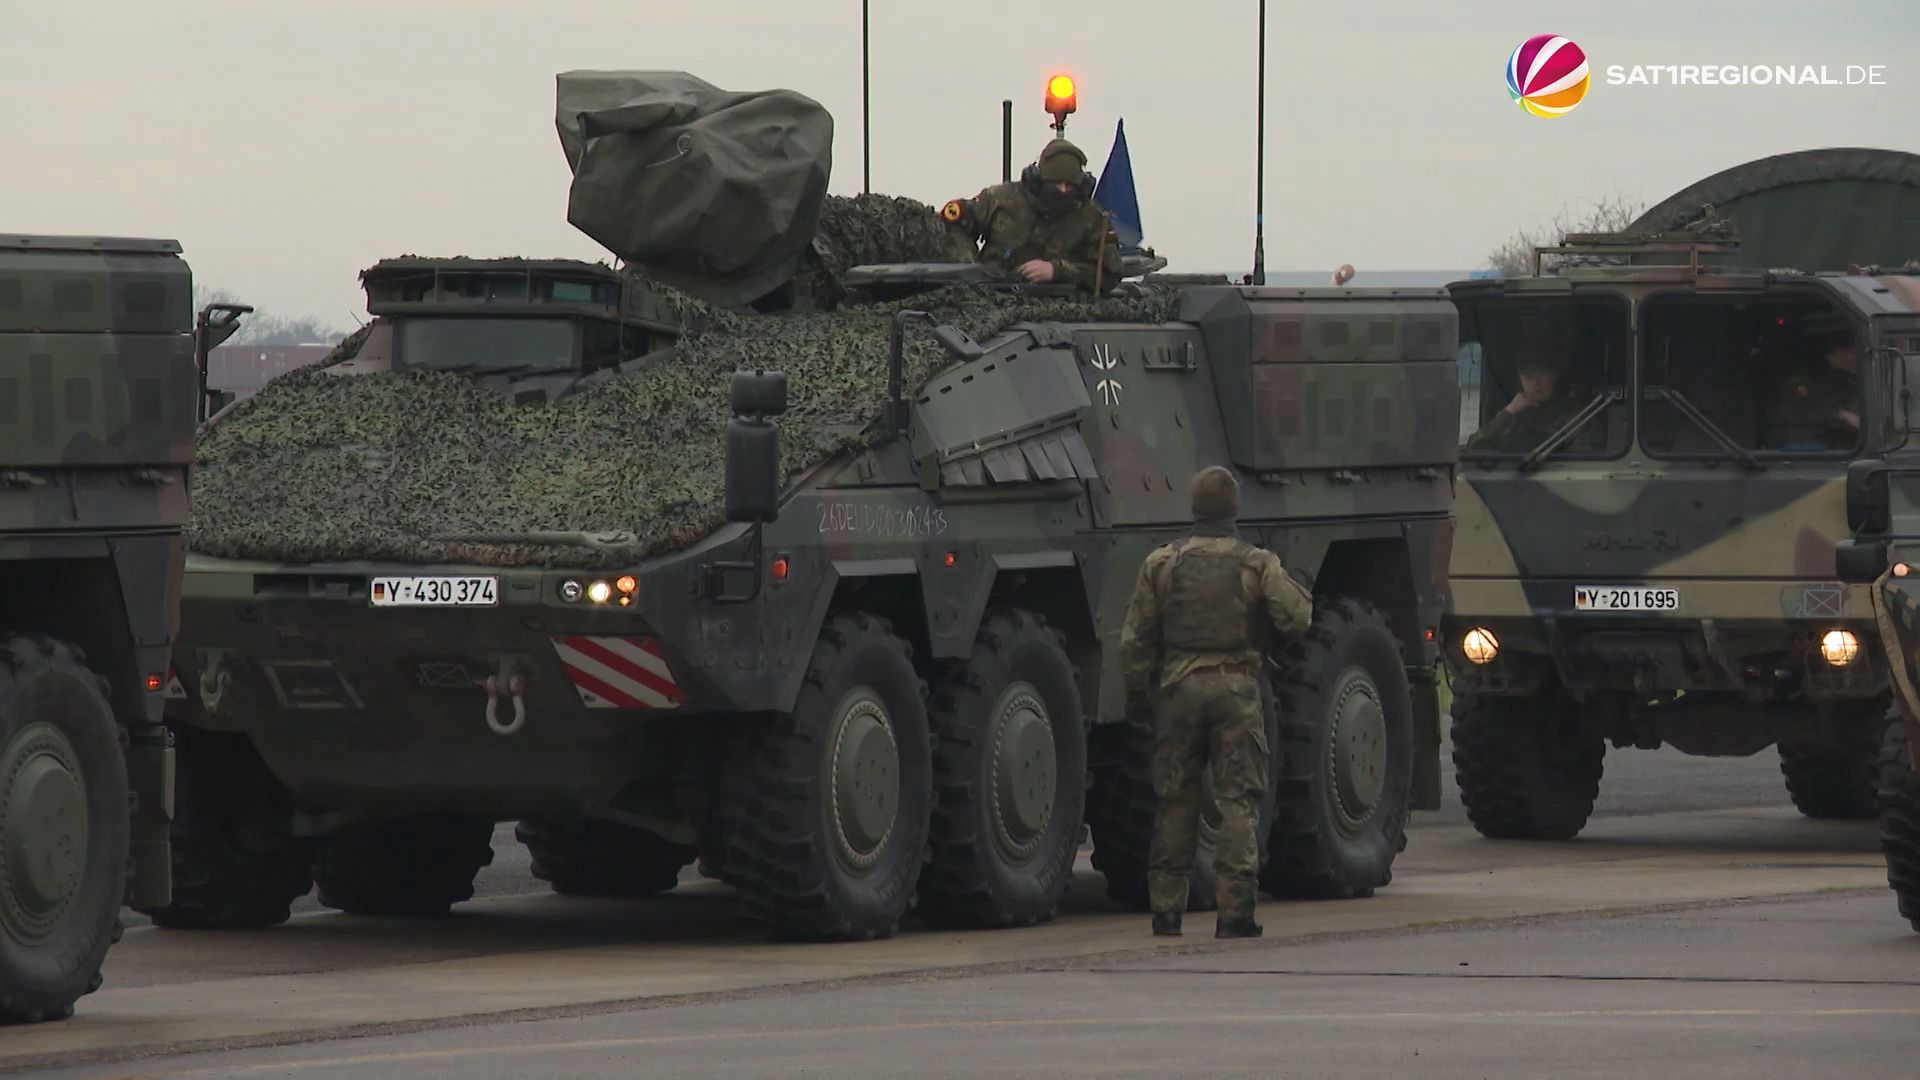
(714, 192)
(1811, 210)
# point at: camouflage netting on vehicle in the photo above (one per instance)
(321, 468)
(868, 229)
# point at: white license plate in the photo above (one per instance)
(1624, 598)
(435, 592)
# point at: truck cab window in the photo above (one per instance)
(1541, 364)
(1777, 374)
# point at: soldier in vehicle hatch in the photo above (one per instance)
(1819, 409)
(1203, 617)
(1533, 414)
(1044, 227)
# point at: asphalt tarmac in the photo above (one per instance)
(1699, 926)
(1823, 986)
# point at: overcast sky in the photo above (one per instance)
(289, 145)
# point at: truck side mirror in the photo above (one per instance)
(759, 393)
(1857, 562)
(1868, 509)
(753, 446)
(1906, 393)
(215, 324)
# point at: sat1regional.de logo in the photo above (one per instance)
(1547, 75)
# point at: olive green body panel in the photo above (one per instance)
(1899, 611)
(1895, 543)
(97, 411)
(1037, 474)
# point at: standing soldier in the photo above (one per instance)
(1204, 616)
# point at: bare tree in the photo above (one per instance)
(1514, 257)
(261, 328)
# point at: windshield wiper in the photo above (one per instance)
(1692, 412)
(1560, 435)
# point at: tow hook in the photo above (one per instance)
(214, 682)
(516, 685)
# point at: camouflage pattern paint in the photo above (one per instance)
(97, 412)
(1006, 221)
(1751, 552)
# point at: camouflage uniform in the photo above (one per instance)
(1024, 220)
(1519, 432)
(1203, 616)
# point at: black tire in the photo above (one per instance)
(596, 857)
(62, 758)
(416, 867)
(786, 854)
(1525, 769)
(1121, 813)
(981, 874)
(1836, 780)
(233, 869)
(733, 796)
(1343, 785)
(1900, 822)
(1120, 817)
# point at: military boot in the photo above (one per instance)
(1166, 924)
(1237, 926)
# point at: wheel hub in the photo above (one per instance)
(1022, 770)
(1357, 748)
(864, 779)
(43, 831)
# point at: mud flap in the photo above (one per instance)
(150, 779)
(1424, 690)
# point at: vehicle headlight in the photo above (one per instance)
(571, 590)
(1480, 646)
(1839, 647)
(599, 591)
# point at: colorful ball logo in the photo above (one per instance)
(1547, 75)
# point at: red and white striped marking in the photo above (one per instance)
(618, 672)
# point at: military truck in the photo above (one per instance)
(97, 377)
(878, 671)
(1650, 559)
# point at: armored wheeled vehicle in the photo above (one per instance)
(1885, 517)
(1653, 487)
(97, 382)
(828, 601)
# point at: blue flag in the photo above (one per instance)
(1115, 194)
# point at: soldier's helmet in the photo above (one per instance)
(1063, 162)
(1214, 493)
